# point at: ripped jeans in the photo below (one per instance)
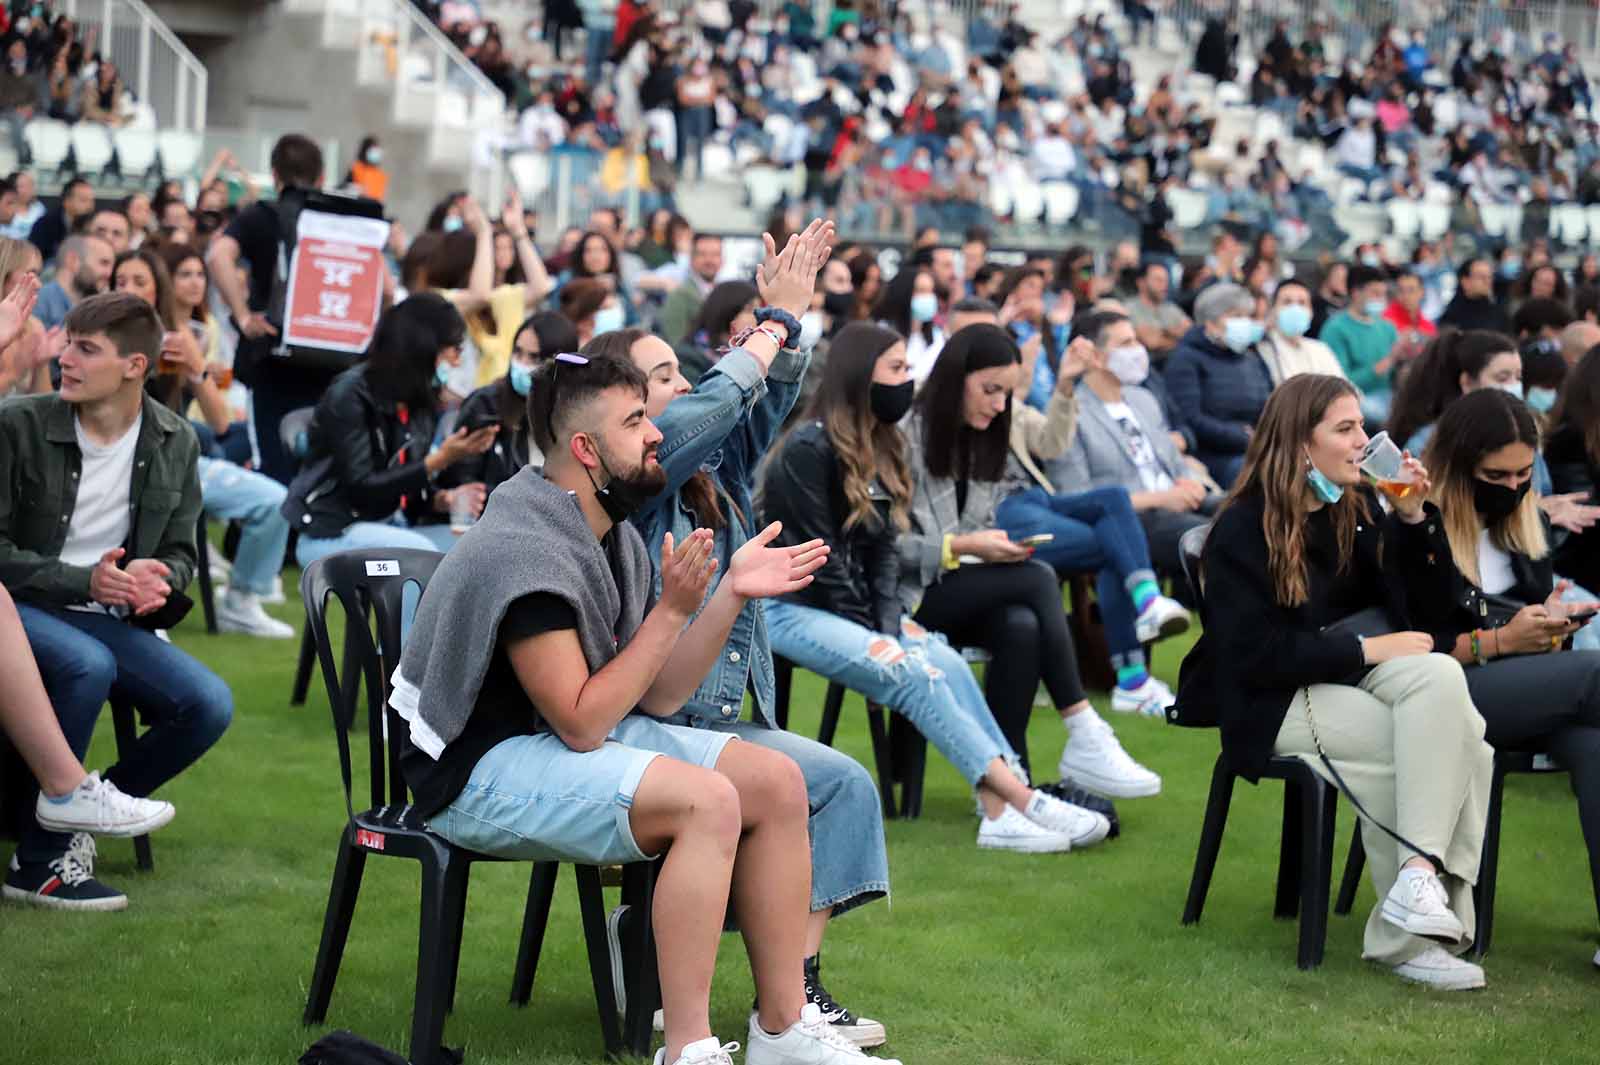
(920, 676)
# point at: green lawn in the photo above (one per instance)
(980, 957)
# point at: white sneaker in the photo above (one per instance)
(701, 1052)
(81, 848)
(1440, 970)
(1084, 827)
(1150, 698)
(1095, 760)
(1419, 904)
(98, 806)
(809, 1041)
(1011, 831)
(274, 597)
(221, 570)
(240, 612)
(1161, 618)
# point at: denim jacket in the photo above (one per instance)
(725, 427)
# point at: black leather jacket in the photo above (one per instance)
(354, 469)
(804, 489)
(512, 448)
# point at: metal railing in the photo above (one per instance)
(162, 73)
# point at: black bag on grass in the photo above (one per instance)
(347, 1048)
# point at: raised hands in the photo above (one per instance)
(787, 278)
(16, 307)
(759, 570)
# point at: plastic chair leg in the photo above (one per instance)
(455, 926)
(592, 905)
(1317, 810)
(1489, 866)
(302, 670)
(1290, 847)
(882, 757)
(441, 880)
(342, 894)
(911, 763)
(208, 598)
(1205, 859)
(644, 981)
(126, 727)
(1354, 865)
(831, 705)
(535, 919)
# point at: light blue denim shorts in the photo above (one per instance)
(534, 798)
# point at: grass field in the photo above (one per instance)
(980, 958)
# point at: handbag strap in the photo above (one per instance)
(1438, 863)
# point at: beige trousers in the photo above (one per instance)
(1409, 744)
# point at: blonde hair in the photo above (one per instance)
(14, 256)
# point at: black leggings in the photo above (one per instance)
(1014, 612)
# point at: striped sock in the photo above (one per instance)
(1144, 593)
(1131, 677)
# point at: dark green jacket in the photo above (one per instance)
(39, 467)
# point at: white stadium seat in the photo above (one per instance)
(1060, 202)
(180, 152)
(1027, 202)
(49, 141)
(91, 147)
(136, 152)
(1404, 219)
(1435, 220)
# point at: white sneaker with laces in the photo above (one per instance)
(701, 1052)
(809, 1041)
(1012, 831)
(1150, 698)
(1419, 904)
(98, 806)
(241, 612)
(1095, 760)
(1438, 969)
(81, 849)
(1161, 618)
(1084, 827)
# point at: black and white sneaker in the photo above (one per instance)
(63, 884)
(862, 1031)
(1067, 791)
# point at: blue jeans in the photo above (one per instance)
(930, 686)
(233, 493)
(849, 859)
(392, 533)
(86, 658)
(1095, 530)
(597, 49)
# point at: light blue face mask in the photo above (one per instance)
(1542, 400)
(924, 307)
(452, 223)
(1294, 320)
(441, 374)
(608, 320)
(1374, 308)
(521, 379)
(1325, 489)
(1513, 388)
(1240, 333)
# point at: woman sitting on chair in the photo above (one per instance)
(1295, 551)
(1500, 603)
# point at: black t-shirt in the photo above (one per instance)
(501, 712)
(256, 230)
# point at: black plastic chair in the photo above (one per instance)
(202, 554)
(1305, 848)
(392, 828)
(899, 751)
(1489, 866)
(125, 722)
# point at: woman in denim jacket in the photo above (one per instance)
(714, 439)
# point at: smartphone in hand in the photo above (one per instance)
(1036, 540)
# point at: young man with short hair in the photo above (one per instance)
(53, 227)
(533, 682)
(99, 497)
(1364, 340)
(113, 227)
(82, 269)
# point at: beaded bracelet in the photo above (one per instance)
(1477, 649)
(739, 340)
(790, 323)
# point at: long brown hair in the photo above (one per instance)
(1275, 469)
(1579, 404)
(868, 448)
(700, 490)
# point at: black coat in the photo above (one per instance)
(1465, 313)
(1254, 655)
(512, 448)
(804, 489)
(354, 469)
(1456, 605)
(1573, 470)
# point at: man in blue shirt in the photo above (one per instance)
(83, 267)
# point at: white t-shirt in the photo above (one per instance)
(1140, 449)
(101, 515)
(1494, 566)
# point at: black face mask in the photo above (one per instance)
(839, 304)
(889, 403)
(1495, 501)
(622, 497)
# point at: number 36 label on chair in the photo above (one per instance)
(383, 568)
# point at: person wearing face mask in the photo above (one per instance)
(909, 305)
(841, 475)
(505, 402)
(1499, 605)
(366, 170)
(1365, 341)
(1299, 547)
(728, 311)
(1287, 349)
(370, 477)
(1217, 378)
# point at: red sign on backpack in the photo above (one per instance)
(335, 282)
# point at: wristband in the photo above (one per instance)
(790, 323)
(741, 339)
(947, 557)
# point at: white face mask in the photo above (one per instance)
(608, 320)
(811, 326)
(1129, 364)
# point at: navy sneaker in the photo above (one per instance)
(1067, 791)
(63, 884)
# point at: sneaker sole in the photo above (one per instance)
(234, 628)
(1109, 789)
(1442, 981)
(137, 828)
(614, 948)
(864, 1035)
(1176, 625)
(48, 902)
(1448, 931)
(1027, 844)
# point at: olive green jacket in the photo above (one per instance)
(39, 468)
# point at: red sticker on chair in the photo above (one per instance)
(369, 839)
